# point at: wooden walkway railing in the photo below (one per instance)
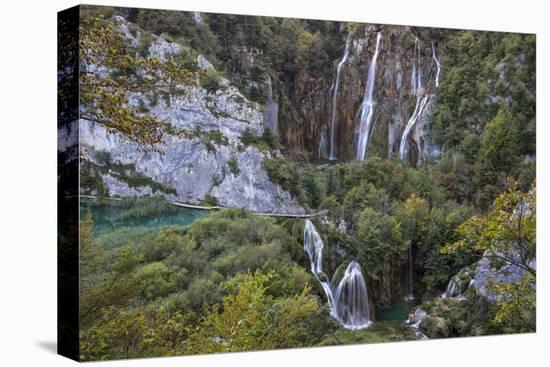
(216, 207)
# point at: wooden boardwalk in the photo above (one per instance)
(200, 207)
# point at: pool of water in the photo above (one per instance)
(398, 311)
(108, 216)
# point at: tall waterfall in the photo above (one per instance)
(410, 293)
(421, 100)
(437, 64)
(420, 104)
(367, 107)
(416, 73)
(322, 150)
(348, 300)
(334, 99)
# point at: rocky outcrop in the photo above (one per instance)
(489, 271)
(443, 318)
(201, 155)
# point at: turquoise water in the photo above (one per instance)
(108, 216)
(398, 311)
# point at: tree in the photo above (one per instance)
(507, 236)
(110, 71)
(507, 233)
(414, 217)
(499, 153)
(253, 320)
(90, 253)
(517, 305)
(379, 238)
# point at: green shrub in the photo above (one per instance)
(281, 172)
(211, 81)
(233, 166)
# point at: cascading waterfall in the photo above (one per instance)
(367, 107)
(421, 100)
(453, 289)
(352, 299)
(348, 301)
(334, 99)
(414, 321)
(458, 284)
(419, 107)
(416, 73)
(322, 151)
(437, 64)
(410, 293)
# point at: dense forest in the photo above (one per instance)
(250, 116)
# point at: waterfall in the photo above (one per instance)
(417, 90)
(367, 107)
(414, 321)
(334, 98)
(416, 74)
(437, 64)
(410, 294)
(420, 104)
(322, 151)
(352, 299)
(458, 284)
(313, 245)
(348, 301)
(453, 289)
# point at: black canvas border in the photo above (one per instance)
(67, 187)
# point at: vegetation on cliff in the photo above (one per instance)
(233, 280)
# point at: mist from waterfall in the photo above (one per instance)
(333, 121)
(410, 293)
(367, 107)
(348, 301)
(322, 151)
(421, 100)
(437, 64)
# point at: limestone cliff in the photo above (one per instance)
(201, 155)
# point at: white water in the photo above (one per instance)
(348, 301)
(410, 293)
(367, 107)
(455, 287)
(420, 104)
(322, 151)
(452, 289)
(334, 99)
(437, 64)
(416, 75)
(417, 90)
(416, 328)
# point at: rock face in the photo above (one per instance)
(486, 271)
(201, 154)
(443, 318)
(394, 97)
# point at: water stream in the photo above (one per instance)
(367, 107)
(410, 292)
(421, 100)
(348, 299)
(333, 121)
(437, 64)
